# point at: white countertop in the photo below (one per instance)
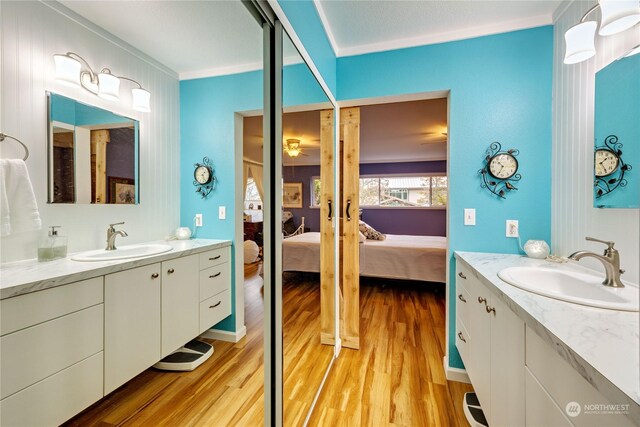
(23, 277)
(602, 345)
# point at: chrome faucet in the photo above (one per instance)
(112, 234)
(610, 259)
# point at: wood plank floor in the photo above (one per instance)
(395, 379)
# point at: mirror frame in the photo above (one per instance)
(137, 125)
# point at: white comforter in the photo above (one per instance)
(398, 257)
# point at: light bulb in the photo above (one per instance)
(141, 100)
(67, 70)
(108, 86)
(580, 42)
(618, 15)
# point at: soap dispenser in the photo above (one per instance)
(52, 246)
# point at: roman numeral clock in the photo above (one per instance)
(609, 168)
(500, 171)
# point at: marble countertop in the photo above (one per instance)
(602, 345)
(23, 277)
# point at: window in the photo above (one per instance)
(251, 196)
(396, 191)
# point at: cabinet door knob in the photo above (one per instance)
(155, 275)
(213, 276)
(215, 258)
(461, 275)
(491, 310)
(461, 298)
(482, 300)
(461, 337)
(171, 271)
(215, 305)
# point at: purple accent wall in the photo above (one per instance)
(120, 155)
(420, 222)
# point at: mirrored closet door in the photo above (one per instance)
(308, 238)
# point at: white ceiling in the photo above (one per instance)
(356, 27)
(209, 37)
(398, 132)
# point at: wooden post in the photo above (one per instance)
(327, 235)
(99, 141)
(350, 307)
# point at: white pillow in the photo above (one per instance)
(251, 251)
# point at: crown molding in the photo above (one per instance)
(467, 33)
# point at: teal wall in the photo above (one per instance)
(207, 119)
(303, 16)
(617, 112)
(500, 90)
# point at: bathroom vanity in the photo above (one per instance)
(72, 332)
(535, 360)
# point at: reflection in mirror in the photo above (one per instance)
(93, 154)
(307, 246)
(617, 135)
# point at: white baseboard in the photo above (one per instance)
(455, 374)
(217, 334)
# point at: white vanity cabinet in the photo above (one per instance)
(65, 347)
(180, 301)
(51, 353)
(132, 329)
(215, 287)
(490, 338)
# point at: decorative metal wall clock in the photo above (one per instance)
(500, 170)
(609, 168)
(203, 177)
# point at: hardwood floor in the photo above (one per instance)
(396, 378)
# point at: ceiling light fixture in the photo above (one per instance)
(616, 16)
(73, 70)
(293, 147)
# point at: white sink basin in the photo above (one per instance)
(123, 252)
(571, 286)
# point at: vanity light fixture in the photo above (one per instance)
(616, 16)
(70, 72)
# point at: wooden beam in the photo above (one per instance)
(63, 139)
(350, 308)
(327, 235)
(99, 141)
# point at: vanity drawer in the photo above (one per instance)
(563, 383)
(214, 257)
(56, 399)
(214, 280)
(30, 309)
(463, 300)
(463, 276)
(463, 342)
(32, 354)
(540, 409)
(214, 310)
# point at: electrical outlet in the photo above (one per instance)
(469, 217)
(512, 228)
(222, 212)
(198, 220)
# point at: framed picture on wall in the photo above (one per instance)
(122, 190)
(292, 195)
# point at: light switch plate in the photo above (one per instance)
(469, 217)
(198, 220)
(512, 228)
(222, 212)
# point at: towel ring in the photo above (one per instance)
(26, 150)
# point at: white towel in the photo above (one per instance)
(18, 207)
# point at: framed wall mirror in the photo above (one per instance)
(92, 154)
(617, 135)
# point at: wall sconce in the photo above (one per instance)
(616, 16)
(69, 71)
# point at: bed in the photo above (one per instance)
(420, 258)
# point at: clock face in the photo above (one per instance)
(202, 175)
(606, 162)
(503, 166)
